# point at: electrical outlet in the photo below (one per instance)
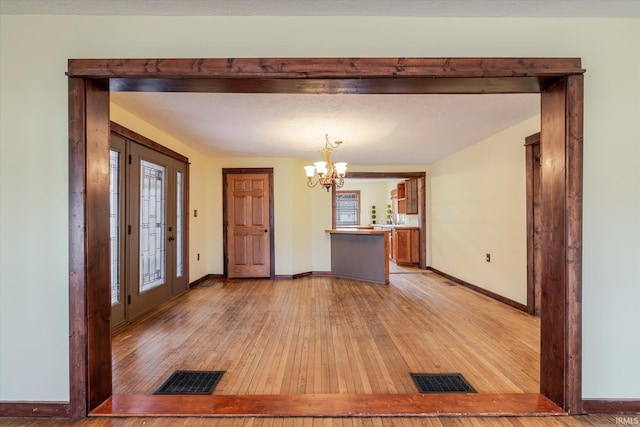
(195, 213)
(488, 257)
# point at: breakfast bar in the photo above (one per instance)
(360, 253)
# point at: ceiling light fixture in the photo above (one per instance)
(329, 174)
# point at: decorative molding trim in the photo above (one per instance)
(301, 275)
(532, 139)
(35, 409)
(278, 277)
(321, 273)
(293, 276)
(614, 406)
(482, 291)
(144, 141)
(205, 278)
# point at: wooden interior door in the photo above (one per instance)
(249, 220)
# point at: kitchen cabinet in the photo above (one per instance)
(402, 197)
(394, 202)
(411, 195)
(407, 193)
(393, 249)
(406, 243)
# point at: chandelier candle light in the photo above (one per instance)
(329, 174)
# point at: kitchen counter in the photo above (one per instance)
(356, 230)
(361, 254)
(392, 226)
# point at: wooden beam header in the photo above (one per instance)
(324, 68)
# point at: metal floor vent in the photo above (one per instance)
(190, 382)
(442, 383)
(448, 283)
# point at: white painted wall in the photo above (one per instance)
(478, 206)
(372, 193)
(33, 161)
(320, 221)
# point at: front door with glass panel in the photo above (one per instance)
(148, 237)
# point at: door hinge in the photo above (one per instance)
(128, 299)
(129, 229)
(129, 158)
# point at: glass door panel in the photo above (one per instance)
(178, 230)
(149, 271)
(152, 225)
(179, 225)
(114, 224)
(117, 259)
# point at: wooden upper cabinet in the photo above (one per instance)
(402, 197)
(411, 188)
(401, 190)
(394, 201)
(407, 192)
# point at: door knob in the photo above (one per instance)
(171, 238)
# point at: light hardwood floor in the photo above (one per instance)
(586, 421)
(405, 269)
(330, 335)
(323, 335)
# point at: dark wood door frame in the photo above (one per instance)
(559, 80)
(422, 217)
(534, 234)
(225, 219)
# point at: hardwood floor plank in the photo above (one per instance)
(554, 421)
(324, 335)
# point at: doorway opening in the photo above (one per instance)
(559, 80)
(420, 203)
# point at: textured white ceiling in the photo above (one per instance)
(440, 8)
(376, 129)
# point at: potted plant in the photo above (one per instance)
(389, 214)
(373, 214)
